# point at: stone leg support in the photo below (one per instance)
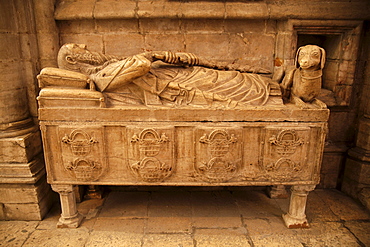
(277, 192)
(70, 218)
(296, 217)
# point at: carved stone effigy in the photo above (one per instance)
(179, 121)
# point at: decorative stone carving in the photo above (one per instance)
(286, 142)
(284, 153)
(85, 169)
(81, 160)
(149, 144)
(217, 163)
(80, 142)
(302, 85)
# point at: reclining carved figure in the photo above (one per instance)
(166, 78)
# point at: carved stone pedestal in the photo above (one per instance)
(70, 217)
(296, 217)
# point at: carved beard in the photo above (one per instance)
(91, 62)
(92, 58)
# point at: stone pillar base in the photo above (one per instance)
(70, 222)
(356, 180)
(294, 222)
(24, 192)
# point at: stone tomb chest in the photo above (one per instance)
(89, 141)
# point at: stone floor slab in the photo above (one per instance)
(215, 210)
(221, 238)
(15, 233)
(169, 204)
(126, 204)
(114, 238)
(168, 240)
(343, 206)
(361, 229)
(57, 238)
(257, 204)
(122, 225)
(326, 234)
(169, 225)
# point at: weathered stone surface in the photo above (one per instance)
(126, 204)
(167, 240)
(24, 193)
(20, 149)
(360, 229)
(29, 211)
(358, 171)
(258, 10)
(214, 209)
(16, 233)
(342, 206)
(363, 136)
(326, 234)
(65, 237)
(114, 238)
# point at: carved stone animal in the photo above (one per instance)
(302, 84)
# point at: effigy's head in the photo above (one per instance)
(74, 56)
(310, 57)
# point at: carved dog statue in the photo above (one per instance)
(302, 84)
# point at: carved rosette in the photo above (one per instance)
(80, 156)
(217, 149)
(150, 146)
(284, 157)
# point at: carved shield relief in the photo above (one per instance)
(151, 153)
(218, 153)
(82, 152)
(285, 153)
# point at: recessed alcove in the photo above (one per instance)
(340, 39)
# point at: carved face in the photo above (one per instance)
(78, 52)
(310, 57)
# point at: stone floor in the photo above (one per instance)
(182, 217)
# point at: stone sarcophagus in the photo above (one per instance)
(177, 130)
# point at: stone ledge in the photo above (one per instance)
(109, 9)
(137, 114)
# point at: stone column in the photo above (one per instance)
(356, 180)
(70, 217)
(24, 193)
(296, 216)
